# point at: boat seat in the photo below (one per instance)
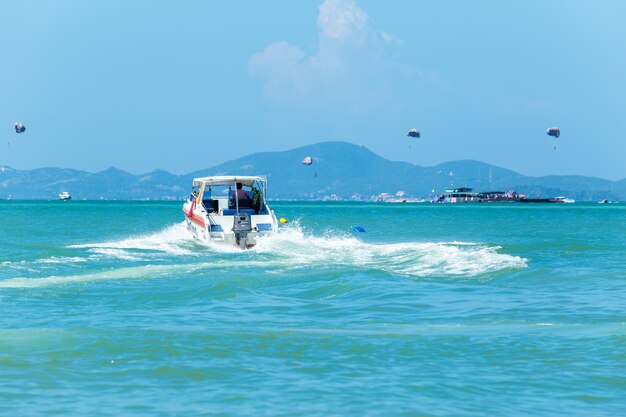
(210, 205)
(243, 203)
(232, 212)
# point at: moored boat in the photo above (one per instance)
(64, 195)
(230, 209)
(458, 195)
(467, 195)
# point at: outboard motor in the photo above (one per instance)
(242, 226)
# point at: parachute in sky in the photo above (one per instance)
(19, 128)
(414, 133)
(308, 161)
(553, 131)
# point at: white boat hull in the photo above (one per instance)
(218, 227)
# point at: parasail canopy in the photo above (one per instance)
(553, 131)
(414, 133)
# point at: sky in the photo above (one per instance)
(186, 85)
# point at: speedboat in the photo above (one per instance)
(64, 195)
(561, 199)
(230, 209)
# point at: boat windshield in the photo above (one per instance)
(247, 196)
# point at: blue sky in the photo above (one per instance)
(185, 85)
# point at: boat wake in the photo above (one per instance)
(413, 259)
(173, 252)
(174, 240)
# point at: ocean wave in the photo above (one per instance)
(174, 240)
(137, 272)
(290, 249)
(419, 259)
(62, 260)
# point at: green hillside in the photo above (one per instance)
(339, 168)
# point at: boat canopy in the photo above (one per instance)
(227, 180)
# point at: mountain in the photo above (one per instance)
(340, 168)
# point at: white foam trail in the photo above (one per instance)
(174, 240)
(116, 253)
(62, 260)
(217, 246)
(139, 272)
(287, 250)
(417, 259)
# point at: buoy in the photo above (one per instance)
(283, 220)
(358, 229)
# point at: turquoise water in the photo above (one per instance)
(110, 309)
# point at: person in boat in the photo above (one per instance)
(241, 194)
(244, 197)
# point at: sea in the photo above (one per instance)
(110, 308)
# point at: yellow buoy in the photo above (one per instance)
(283, 220)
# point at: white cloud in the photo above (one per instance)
(280, 63)
(340, 19)
(387, 37)
(349, 68)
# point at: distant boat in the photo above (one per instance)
(458, 195)
(64, 195)
(466, 195)
(405, 200)
(560, 200)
